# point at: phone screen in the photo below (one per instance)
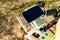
(32, 13)
(39, 21)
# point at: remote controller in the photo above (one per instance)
(41, 35)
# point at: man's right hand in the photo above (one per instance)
(32, 38)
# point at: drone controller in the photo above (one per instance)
(38, 29)
(41, 35)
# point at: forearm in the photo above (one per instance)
(58, 30)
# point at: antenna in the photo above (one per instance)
(21, 24)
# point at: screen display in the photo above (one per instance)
(32, 13)
(39, 21)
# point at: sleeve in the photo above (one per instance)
(57, 30)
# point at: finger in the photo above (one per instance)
(25, 37)
(33, 38)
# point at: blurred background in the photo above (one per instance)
(9, 9)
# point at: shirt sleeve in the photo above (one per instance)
(57, 30)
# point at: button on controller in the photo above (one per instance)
(36, 35)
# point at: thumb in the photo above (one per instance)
(33, 38)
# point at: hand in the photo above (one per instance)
(32, 38)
